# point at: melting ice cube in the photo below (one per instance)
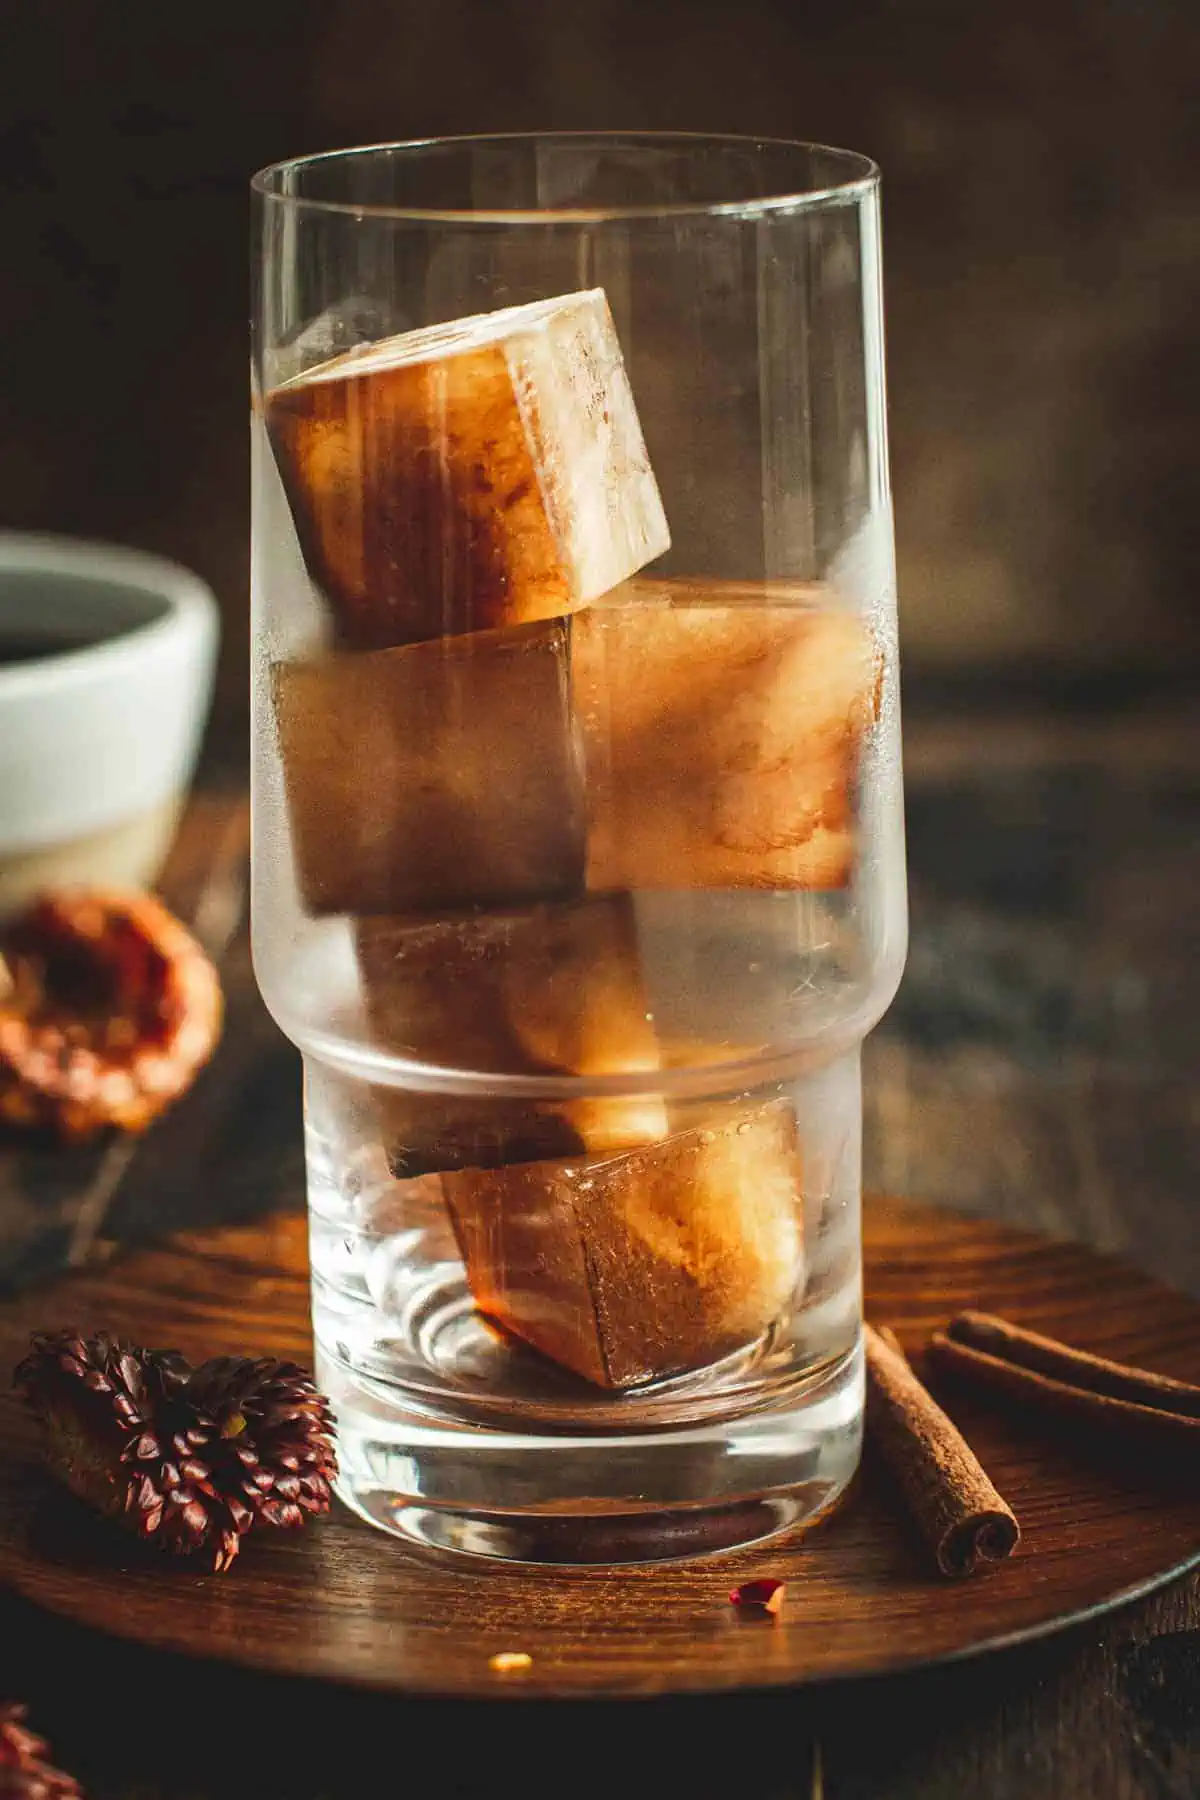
(433, 778)
(551, 989)
(722, 726)
(634, 1267)
(470, 475)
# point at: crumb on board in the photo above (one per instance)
(510, 1662)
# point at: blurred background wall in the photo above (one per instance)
(1042, 236)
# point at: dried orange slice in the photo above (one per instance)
(108, 1007)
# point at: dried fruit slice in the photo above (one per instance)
(550, 989)
(111, 1007)
(434, 778)
(641, 1265)
(470, 475)
(722, 725)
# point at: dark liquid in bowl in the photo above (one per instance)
(31, 646)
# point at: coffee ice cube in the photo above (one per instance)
(465, 476)
(631, 1268)
(438, 777)
(552, 989)
(722, 725)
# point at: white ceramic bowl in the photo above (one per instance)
(98, 740)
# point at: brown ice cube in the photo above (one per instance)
(431, 1134)
(552, 989)
(722, 725)
(433, 778)
(638, 1266)
(470, 475)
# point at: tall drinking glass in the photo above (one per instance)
(578, 843)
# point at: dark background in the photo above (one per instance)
(1042, 223)
(1041, 163)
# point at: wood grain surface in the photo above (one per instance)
(1039, 1067)
(344, 1602)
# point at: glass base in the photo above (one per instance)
(616, 1497)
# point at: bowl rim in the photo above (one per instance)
(187, 607)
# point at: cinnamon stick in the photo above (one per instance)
(967, 1524)
(1112, 1398)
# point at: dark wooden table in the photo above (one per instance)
(1039, 1066)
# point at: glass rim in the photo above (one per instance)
(862, 177)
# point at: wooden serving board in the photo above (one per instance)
(343, 1602)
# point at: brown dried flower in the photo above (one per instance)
(189, 1459)
(23, 1773)
(108, 1009)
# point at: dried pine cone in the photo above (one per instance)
(188, 1459)
(23, 1774)
(108, 1007)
